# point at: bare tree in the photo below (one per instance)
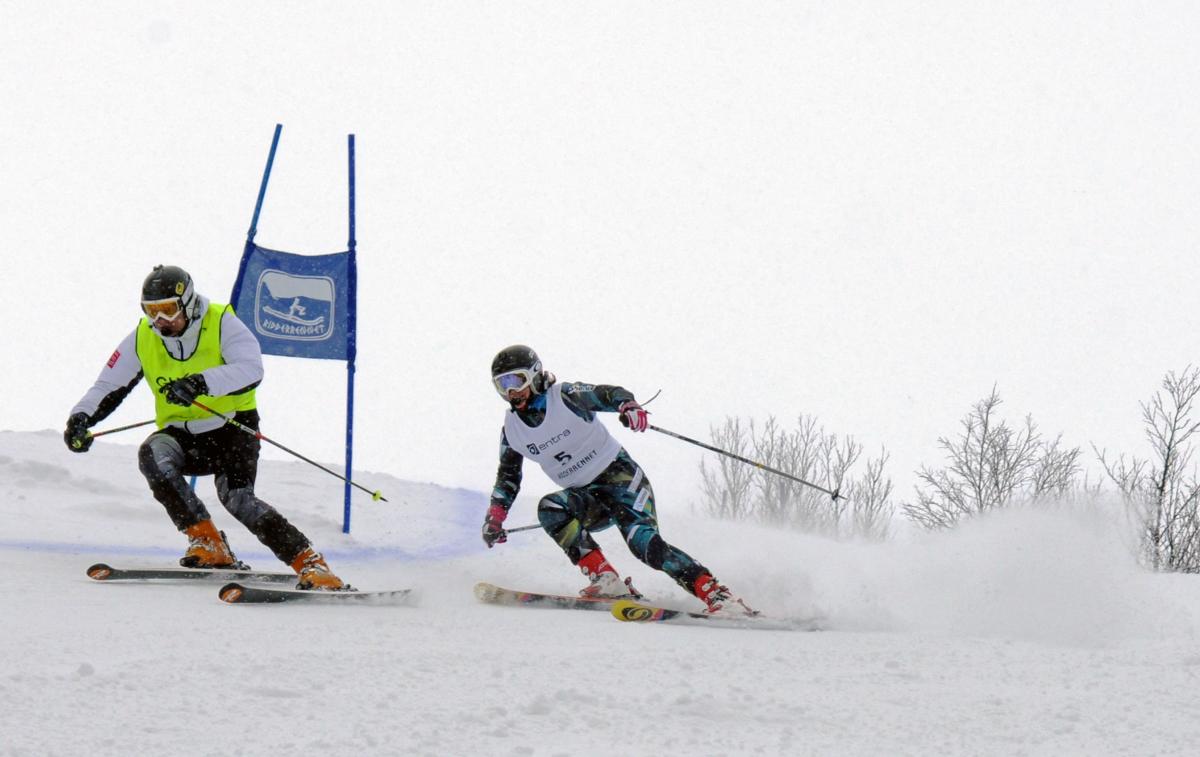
(781, 501)
(1161, 493)
(806, 452)
(872, 514)
(726, 483)
(989, 466)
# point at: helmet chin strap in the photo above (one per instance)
(544, 380)
(529, 401)
(188, 323)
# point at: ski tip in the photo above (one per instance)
(231, 592)
(99, 571)
(485, 592)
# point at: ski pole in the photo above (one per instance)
(114, 430)
(522, 528)
(834, 494)
(376, 495)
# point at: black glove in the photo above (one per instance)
(493, 526)
(184, 391)
(76, 436)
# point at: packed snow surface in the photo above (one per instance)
(1027, 633)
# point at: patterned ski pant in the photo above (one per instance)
(620, 495)
(229, 454)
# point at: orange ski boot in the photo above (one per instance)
(207, 548)
(314, 573)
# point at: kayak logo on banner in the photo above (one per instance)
(288, 306)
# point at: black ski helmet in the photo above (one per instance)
(518, 357)
(514, 358)
(169, 281)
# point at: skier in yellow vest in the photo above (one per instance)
(188, 348)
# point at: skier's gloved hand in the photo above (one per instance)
(633, 417)
(184, 391)
(493, 526)
(76, 436)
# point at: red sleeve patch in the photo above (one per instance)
(115, 357)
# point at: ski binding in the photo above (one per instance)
(496, 595)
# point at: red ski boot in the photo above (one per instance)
(719, 599)
(603, 579)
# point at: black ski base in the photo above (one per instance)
(236, 594)
(104, 572)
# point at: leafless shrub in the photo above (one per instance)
(726, 482)
(1161, 492)
(991, 465)
(734, 489)
(871, 516)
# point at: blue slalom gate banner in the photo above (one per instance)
(297, 305)
(303, 305)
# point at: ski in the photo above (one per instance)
(103, 572)
(492, 594)
(236, 594)
(636, 612)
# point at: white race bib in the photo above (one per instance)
(570, 450)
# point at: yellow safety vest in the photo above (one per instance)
(161, 368)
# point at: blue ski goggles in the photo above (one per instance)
(513, 381)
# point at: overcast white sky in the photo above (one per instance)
(869, 212)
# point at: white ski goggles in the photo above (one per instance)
(513, 381)
(162, 310)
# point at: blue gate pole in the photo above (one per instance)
(262, 193)
(351, 343)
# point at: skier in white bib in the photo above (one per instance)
(555, 425)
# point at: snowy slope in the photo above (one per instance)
(1027, 634)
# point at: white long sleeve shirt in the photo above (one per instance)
(240, 350)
